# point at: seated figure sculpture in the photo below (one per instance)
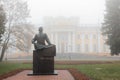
(39, 40)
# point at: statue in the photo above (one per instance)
(43, 55)
(39, 40)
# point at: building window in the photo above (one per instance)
(78, 36)
(95, 48)
(78, 47)
(104, 48)
(86, 36)
(94, 36)
(86, 47)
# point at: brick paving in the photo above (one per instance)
(62, 75)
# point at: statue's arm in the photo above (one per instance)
(34, 39)
(47, 40)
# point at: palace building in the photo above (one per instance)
(70, 36)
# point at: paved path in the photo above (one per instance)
(62, 75)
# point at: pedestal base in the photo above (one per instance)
(43, 61)
(37, 74)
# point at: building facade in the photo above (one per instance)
(71, 37)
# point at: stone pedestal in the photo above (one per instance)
(43, 61)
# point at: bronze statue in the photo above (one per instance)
(43, 55)
(39, 40)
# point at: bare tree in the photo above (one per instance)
(16, 12)
(2, 22)
(23, 34)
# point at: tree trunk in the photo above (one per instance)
(4, 47)
(3, 52)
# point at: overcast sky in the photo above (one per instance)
(89, 11)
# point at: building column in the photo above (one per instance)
(69, 42)
(90, 43)
(82, 43)
(99, 44)
(56, 42)
(73, 41)
(52, 40)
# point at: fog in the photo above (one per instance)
(74, 26)
(89, 11)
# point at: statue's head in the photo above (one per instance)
(40, 29)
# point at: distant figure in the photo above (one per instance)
(39, 40)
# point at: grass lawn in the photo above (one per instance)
(98, 71)
(94, 71)
(7, 67)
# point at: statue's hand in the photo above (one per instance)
(33, 42)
